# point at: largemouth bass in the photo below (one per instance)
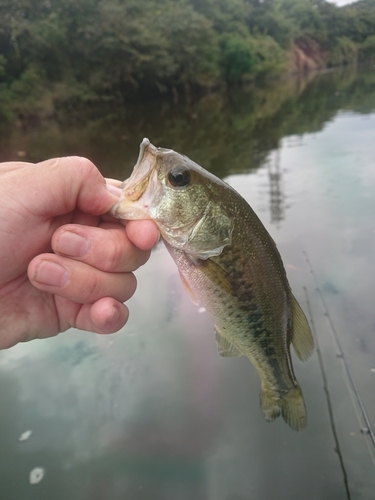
(230, 264)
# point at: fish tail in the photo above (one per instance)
(290, 405)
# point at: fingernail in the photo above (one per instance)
(50, 273)
(72, 244)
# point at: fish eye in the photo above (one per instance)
(179, 177)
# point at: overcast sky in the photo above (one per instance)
(341, 2)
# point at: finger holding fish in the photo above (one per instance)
(78, 281)
(107, 247)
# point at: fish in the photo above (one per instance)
(230, 265)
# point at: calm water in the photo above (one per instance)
(153, 412)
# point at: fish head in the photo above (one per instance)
(182, 199)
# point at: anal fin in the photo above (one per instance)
(302, 340)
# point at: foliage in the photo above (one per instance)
(271, 58)
(237, 57)
(345, 51)
(57, 53)
(367, 50)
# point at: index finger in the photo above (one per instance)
(107, 247)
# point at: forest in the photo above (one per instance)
(58, 54)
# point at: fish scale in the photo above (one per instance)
(228, 262)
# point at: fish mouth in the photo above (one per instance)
(131, 205)
(136, 201)
(137, 183)
(135, 191)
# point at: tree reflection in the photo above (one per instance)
(276, 193)
(226, 132)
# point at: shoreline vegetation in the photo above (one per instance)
(58, 56)
(227, 130)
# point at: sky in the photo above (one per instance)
(340, 3)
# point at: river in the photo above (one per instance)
(153, 412)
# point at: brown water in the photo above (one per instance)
(153, 412)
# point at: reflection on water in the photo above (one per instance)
(276, 189)
(226, 132)
(153, 411)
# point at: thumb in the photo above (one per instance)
(59, 185)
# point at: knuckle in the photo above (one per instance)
(79, 165)
(115, 254)
(95, 284)
(93, 289)
(83, 164)
(120, 286)
(121, 255)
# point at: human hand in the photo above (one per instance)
(63, 263)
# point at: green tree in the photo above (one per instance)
(237, 57)
(192, 43)
(64, 52)
(367, 49)
(344, 52)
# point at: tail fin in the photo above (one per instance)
(290, 405)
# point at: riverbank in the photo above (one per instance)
(256, 115)
(60, 57)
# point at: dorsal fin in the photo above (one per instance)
(302, 339)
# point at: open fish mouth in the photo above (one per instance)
(145, 163)
(140, 190)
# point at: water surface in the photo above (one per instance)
(153, 411)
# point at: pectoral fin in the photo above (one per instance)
(302, 340)
(189, 290)
(225, 347)
(217, 275)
